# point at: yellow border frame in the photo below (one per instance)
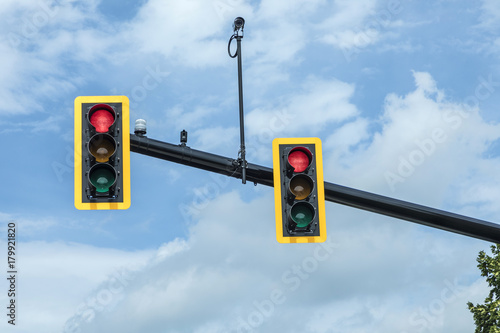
(125, 146)
(278, 195)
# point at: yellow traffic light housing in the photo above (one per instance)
(102, 152)
(299, 190)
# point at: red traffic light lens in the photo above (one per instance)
(299, 158)
(102, 116)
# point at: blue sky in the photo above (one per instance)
(403, 94)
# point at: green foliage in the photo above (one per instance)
(487, 315)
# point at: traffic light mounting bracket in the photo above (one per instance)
(238, 27)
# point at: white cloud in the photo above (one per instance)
(349, 39)
(178, 117)
(231, 275)
(347, 136)
(425, 140)
(319, 103)
(376, 274)
(32, 51)
(214, 138)
(294, 9)
(282, 47)
(490, 14)
(12, 83)
(347, 28)
(373, 274)
(56, 279)
(478, 192)
(355, 25)
(350, 14)
(188, 31)
(29, 226)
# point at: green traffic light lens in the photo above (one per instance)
(102, 177)
(102, 147)
(301, 186)
(302, 214)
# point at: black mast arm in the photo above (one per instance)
(376, 203)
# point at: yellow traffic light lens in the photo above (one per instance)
(302, 213)
(301, 186)
(102, 177)
(102, 147)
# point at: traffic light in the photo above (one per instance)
(102, 152)
(299, 190)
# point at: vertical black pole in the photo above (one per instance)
(242, 124)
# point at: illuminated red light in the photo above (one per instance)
(299, 158)
(102, 117)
